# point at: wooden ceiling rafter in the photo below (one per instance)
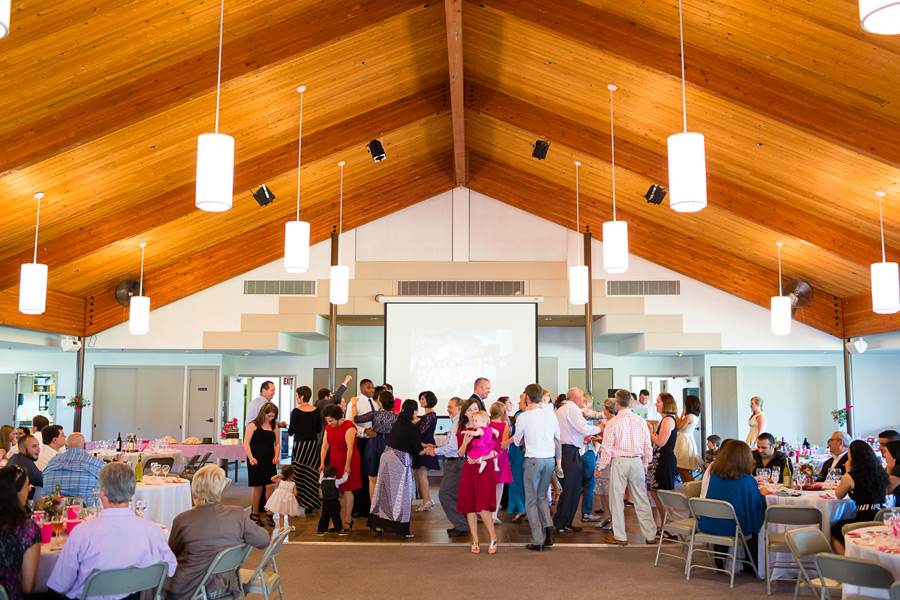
(453, 11)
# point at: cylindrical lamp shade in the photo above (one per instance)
(880, 16)
(781, 315)
(579, 285)
(615, 246)
(33, 289)
(687, 172)
(215, 172)
(296, 246)
(339, 292)
(5, 14)
(139, 315)
(885, 288)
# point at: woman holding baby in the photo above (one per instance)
(478, 444)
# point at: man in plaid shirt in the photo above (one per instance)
(75, 471)
(626, 448)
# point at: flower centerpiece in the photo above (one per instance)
(230, 431)
(840, 415)
(52, 504)
(78, 402)
(808, 470)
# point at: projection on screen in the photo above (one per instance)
(445, 347)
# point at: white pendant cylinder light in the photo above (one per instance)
(615, 233)
(687, 155)
(215, 155)
(296, 233)
(579, 278)
(880, 16)
(33, 276)
(885, 276)
(781, 305)
(339, 286)
(5, 15)
(139, 306)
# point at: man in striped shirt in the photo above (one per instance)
(626, 448)
(75, 471)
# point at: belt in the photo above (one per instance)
(453, 458)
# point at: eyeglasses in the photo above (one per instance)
(835, 440)
(20, 475)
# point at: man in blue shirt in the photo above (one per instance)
(75, 471)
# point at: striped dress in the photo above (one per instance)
(305, 427)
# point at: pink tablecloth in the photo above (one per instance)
(217, 451)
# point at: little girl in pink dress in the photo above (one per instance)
(483, 446)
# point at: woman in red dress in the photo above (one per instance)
(339, 445)
(477, 494)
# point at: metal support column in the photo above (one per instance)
(848, 387)
(79, 381)
(588, 318)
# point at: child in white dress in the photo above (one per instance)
(283, 500)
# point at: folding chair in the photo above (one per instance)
(859, 525)
(717, 509)
(883, 514)
(776, 542)
(673, 523)
(854, 571)
(258, 581)
(229, 559)
(159, 460)
(190, 467)
(692, 489)
(895, 591)
(807, 542)
(125, 581)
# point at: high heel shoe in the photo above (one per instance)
(492, 549)
(255, 518)
(349, 527)
(270, 521)
(426, 506)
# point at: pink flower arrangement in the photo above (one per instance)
(230, 427)
(52, 504)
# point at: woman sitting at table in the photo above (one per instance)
(865, 482)
(731, 480)
(20, 538)
(204, 531)
(891, 453)
(261, 443)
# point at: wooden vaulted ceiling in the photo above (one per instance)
(104, 100)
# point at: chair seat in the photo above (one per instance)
(271, 578)
(777, 541)
(831, 584)
(682, 526)
(719, 540)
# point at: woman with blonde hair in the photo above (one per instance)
(758, 421)
(7, 439)
(663, 468)
(261, 442)
(685, 445)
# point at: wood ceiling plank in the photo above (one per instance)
(150, 94)
(64, 313)
(741, 84)
(453, 10)
(171, 205)
(667, 247)
(236, 256)
(859, 319)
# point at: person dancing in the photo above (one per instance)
(477, 494)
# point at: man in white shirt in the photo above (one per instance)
(54, 440)
(573, 428)
(266, 393)
(38, 422)
(642, 406)
(539, 431)
(452, 473)
(364, 404)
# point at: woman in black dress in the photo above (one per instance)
(423, 462)
(866, 483)
(664, 466)
(261, 446)
(306, 423)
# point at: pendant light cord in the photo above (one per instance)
(299, 153)
(37, 226)
(341, 214)
(683, 92)
(880, 220)
(779, 270)
(143, 245)
(612, 146)
(577, 214)
(219, 79)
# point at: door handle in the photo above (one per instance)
(209, 420)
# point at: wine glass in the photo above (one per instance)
(57, 525)
(774, 474)
(165, 470)
(156, 468)
(140, 506)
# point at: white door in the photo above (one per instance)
(8, 398)
(159, 404)
(203, 395)
(115, 391)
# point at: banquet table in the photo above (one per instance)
(225, 453)
(166, 498)
(832, 509)
(865, 543)
(132, 457)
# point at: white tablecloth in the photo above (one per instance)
(132, 457)
(164, 501)
(832, 510)
(857, 548)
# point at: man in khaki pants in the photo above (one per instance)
(626, 448)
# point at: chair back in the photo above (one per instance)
(226, 486)
(883, 514)
(692, 489)
(159, 460)
(192, 462)
(673, 501)
(854, 571)
(859, 525)
(895, 591)
(125, 581)
(271, 552)
(714, 509)
(203, 460)
(807, 541)
(228, 559)
(794, 515)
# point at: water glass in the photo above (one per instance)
(140, 507)
(155, 467)
(774, 474)
(165, 470)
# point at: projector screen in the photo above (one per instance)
(445, 347)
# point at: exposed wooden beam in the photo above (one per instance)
(242, 253)
(755, 89)
(453, 11)
(746, 203)
(860, 320)
(179, 202)
(666, 247)
(64, 313)
(320, 24)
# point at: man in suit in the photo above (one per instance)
(482, 391)
(838, 445)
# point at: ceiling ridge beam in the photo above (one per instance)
(453, 14)
(765, 94)
(667, 247)
(75, 124)
(174, 204)
(723, 194)
(231, 258)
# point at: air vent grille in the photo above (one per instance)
(460, 288)
(643, 288)
(290, 287)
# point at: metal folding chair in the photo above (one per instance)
(853, 571)
(805, 543)
(675, 524)
(717, 509)
(692, 489)
(126, 581)
(229, 559)
(258, 580)
(776, 542)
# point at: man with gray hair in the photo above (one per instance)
(838, 445)
(114, 540)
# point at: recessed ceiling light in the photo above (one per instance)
(760, 144)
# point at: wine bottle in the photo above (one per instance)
(119, 442)
(139, 469)
(805, 444)
(786, 476)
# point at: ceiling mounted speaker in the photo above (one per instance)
(70, 344)
(127, 289)
(856, 346)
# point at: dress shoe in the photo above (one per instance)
(458, 533)
(590, 519)
(548, 537)
(535, 547)
(611, 540)
(569, 530)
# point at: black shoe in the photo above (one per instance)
(458, 533)
(535, 547)
(599, 511)
(452, 529)
(569, 530)
(548, 537)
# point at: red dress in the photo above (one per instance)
(337, 448)
(477, 491)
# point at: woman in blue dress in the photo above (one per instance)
(423, 462)
(515, 504)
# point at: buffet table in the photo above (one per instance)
(224, 453)
(132, 457)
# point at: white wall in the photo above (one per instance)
(876, 392)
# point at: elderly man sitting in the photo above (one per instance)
(114, 540)
(838, 444)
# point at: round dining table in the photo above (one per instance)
(875, 544)
(166, 498)
(132, 457)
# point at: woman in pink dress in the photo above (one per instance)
(339, 445)
(477, 494)
(500, 422)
